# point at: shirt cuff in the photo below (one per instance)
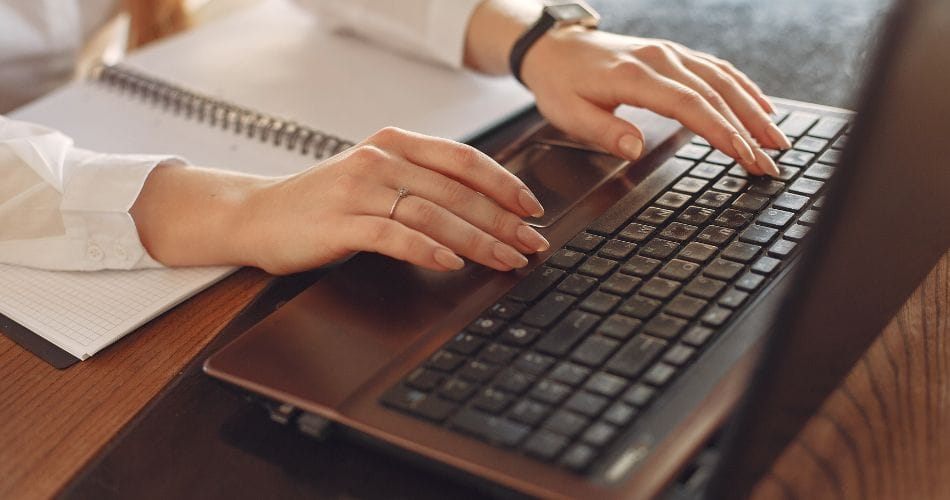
(97, 197)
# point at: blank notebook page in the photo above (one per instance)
(83, 312)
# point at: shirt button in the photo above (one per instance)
(119, 252)
(94, 252)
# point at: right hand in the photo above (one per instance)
(461, 203)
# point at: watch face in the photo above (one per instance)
(573, 13)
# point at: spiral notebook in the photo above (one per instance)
(266, 90)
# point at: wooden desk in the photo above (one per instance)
(885, 433)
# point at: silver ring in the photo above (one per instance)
(400, 194)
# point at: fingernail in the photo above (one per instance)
(769, 106)
(529, 203)
(446, 258)
(777, 136)
(765, 162)
(532, 239)
(631, 146)
(509, 256)
(743, 150)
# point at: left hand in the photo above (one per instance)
(580, 76)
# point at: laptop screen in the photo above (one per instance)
(886, 224)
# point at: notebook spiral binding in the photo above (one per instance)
(219, 113)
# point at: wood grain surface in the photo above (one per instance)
(52, 422)
(885, 433)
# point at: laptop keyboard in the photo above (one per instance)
(568, 358)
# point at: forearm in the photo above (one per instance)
(492, 31)
(191, 216)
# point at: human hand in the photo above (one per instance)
(461, 203)
(580, 76)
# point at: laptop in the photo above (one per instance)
(685, 309)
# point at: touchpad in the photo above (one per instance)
(561, 176)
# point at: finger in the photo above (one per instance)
(377, 234)
(649, 89)
(595, 125)
(464, 164)
(740, 77)
(739, 100)
(464, 202)
(457, 234)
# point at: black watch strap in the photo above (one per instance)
(573, 13)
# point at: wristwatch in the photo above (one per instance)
(558, 15)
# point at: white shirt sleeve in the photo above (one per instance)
(67, 208)
(431, 29)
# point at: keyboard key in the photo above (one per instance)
(585, 242)
(704, 288)
(664, 326)
(741, 252)
(514, 381)
(641, 266)
(519, 335)
(789, 201)
(565, 259)
(620, 414)
(775, 217)
(679, 355)
(730, 184)
(578, 457)
(819, 171)
(568, 332)
(699, 140)
(806, 186)
(492, 400)
(506, 309)
(594, 350)
(697, 335)
(796, 232)
(693, 152)
(690, 185)
(586, 403)
(840, 143)
(534, 363)
(419, 403)
(832, 157)
(659, 374)
(749, 282)
(498, 354)
(679, 270)
(566, 423)
(765, 186)
(713, 199)
(569, 373)
(733, 298)
(478, 371)
(576, 284)
(716, 316)
(695, 215)
(548, 310)
(620, 284)
(639, 307)
(545, 445)
(489, 427)
(529, 412)
(787, 172)
(796, 158)
(750, 202)
(636, 232)
(797, 123)
(606, 384)
(639, 395)
(635, 355)
(685, 306)
(597, 267)
(782, 248)
(485, 326)
(457, 390)
(672, 200)
(465, 343)
(734, 219)
(738, 171)
(445, 361)
(617, 249)
(678, 231)
(715, 235)
(706, 171)
(810, 217)
(659, 248)
(766, 265)
(600, 302)
(619, 326)
(828, 127)
(599, 434)
(535, 284)
(697, 252)
(757, 234)
(655, 215)
(659, 288)
(548, 391)
(719, 158)
(811, 144)
(424, 380)
(723, 269)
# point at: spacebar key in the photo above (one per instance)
(635, 355)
